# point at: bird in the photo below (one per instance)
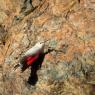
(30, 56)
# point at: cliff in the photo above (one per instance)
(69, 26)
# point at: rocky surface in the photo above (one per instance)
(69, 26)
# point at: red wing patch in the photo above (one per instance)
(31, 59)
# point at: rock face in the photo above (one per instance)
(69, 26)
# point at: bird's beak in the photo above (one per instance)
(44, 41)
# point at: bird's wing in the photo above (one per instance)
(30, 59)
(32, 51)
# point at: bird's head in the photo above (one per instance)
(40, 44)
